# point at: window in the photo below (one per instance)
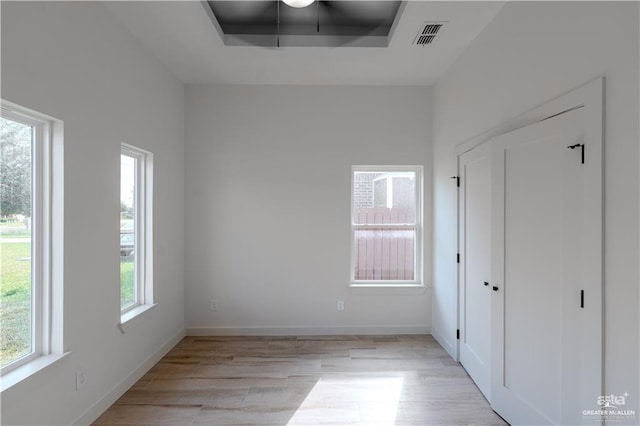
(30, 236)
(386, 219)
(136, 262)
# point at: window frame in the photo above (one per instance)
(143, 233)
(46, 223)
(418, 227)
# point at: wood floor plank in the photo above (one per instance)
(304, 380)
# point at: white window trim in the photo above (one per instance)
(47, 249)
(143, 254)
(418, 250)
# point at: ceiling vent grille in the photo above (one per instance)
(428, 33)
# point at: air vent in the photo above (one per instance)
(428, 33)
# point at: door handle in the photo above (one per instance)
(486, 283)
(495, 288)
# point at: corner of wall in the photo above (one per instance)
(117, 391)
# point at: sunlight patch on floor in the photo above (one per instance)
(351, 400)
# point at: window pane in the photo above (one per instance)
(128, 296)
(15, 241)
(379, 193)
(384, 197)
(384, 254)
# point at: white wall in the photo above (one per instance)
(73, 62)
(530, 53)
(268, 205)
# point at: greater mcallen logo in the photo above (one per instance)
(611, 406)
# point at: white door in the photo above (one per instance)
(547, 307)
(475, 265)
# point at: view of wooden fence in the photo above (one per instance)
(384, 253)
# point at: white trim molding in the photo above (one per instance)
(310, 331)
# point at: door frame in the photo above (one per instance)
(589, 96)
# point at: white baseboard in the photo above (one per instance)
(447, 344)
(112, 396)
(309, 331)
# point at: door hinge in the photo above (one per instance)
(457, 257)
(458, 334)
(578, 145)
(457, 178)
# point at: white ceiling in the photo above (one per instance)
(182, 36)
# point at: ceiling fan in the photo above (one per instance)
(329, 23)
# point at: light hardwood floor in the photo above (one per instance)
(333, 380)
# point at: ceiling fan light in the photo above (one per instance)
(298, 3)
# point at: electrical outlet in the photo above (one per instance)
(214, 305)
(341, 305)
(81, 379)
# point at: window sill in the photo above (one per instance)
(131, 319)
(386, 284)
(389, 288)
(29, 369)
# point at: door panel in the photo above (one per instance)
(533, 285)
(539, 371)
(475, 265)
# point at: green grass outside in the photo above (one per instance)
(15, 234)
(14, 230)
(9, 225)
(15, 301)
(15, 297)
(127, 296)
